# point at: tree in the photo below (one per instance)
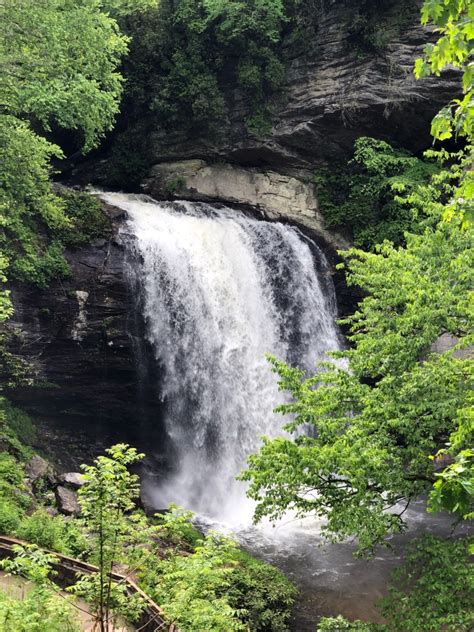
(434, 590)
(107, 497)
(454, 21)
(388, 403)
(367, 197)
(58, 71)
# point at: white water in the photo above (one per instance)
(221, 290)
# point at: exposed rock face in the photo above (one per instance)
(276, 195)
(74, 332)
(80, 336)
(334, 93)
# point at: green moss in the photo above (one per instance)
(36, 245)
(16, 431)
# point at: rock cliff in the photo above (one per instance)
(337, 88)
(80, 336)
(334, 92)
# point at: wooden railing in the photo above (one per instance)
(152, 618)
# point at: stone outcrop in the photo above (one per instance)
(80, 335)
(76, 335)
(334, 92)
(277, 196)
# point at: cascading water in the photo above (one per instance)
(221, 290)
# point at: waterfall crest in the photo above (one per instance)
(219, 291)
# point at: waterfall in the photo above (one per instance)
(219, 291)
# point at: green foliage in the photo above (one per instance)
(454, 22)
(85, 215)
(119, 602)
(191, 46)
(191, 589)
(10, 517)
(37, 223)
(75, 86)
(208, 583)
(263, 595)
(339, 624)
(388, 403)
(109, 493)
(177, 529)
(16, 430)
(453, 490)
(6, 307)
(26, 198)
(20, 425)
(37, 611)
(369, 195)
(13, 497)
(434, 590)
(377, 22)
(59, 70)
(128, 162)
(53, 533)
(40, 609)
(174, 186)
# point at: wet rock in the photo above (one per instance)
(67, 502)
(72, 479)
(86, 377)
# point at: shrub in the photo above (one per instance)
(339, 624)
(197, 48)
(263, 593)
(10, 516)
(218, 586)
(86, 218)
(435, 586)
(38, 611)
(54, 533)
(366, 196)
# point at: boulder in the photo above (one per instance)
(38, 469)
(72, 479)
(67, 501)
